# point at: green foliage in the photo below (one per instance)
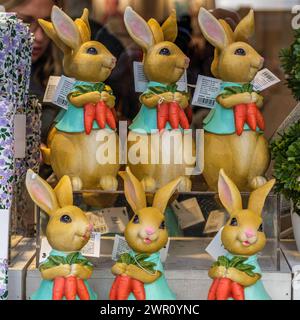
(290, 62)
(228, 91)
(237, 263)
(138, 260)
(286, 153)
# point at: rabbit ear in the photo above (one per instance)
(64, 192)
(156, 30)
(65, 28)
(134, 192)
(83, 26)
(170, 28)
(51, 33)
(41, 192)
(163, 195)
(245, 29)
(229, 193)
(258, 197)
(212, 29)
(138, 29)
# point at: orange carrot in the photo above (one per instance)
(101, 114)
(237, 291)
(124, 287)
(260, 120)
(213, 289)
(138, 289)
(70, 288)
(89, 116)
(174, 114)
(162, 115)
(58, 288)
(224, 289)
(251, 115)
(110, 118)
(82, 290)
(184, 123)
(240, 113)
(114, 289)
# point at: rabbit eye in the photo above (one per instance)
(136, 219)
(162, 225)
(164, 52)
(233, 222)
(240, 52)
(65, 219)
(92, 51)
(261, 228)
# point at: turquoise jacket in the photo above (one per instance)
(72, 119)
(256, 291)
(45, 290)
(146, 119)
(221, 120)
(159, 289)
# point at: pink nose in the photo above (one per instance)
(187, 61)
(149, 231)
(262, 60)
(90, 227)
(249, 233)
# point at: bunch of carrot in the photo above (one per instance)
(172, 113)
(245, 113)
(69, 287)
(101, 113)
(224, 288)
(123, 285)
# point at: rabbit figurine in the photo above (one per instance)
(164, 108)
(77, 144)
(140, 274)
(65, 272)
(238, 275)
(231, 142)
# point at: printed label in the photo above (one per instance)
(215, 248)
(141, 82)
(64, 87)
(4, 232)
(264, 79)
(51, 88)
(215, 221)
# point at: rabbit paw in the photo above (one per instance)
(109, 183)
(258, 182)
(76, 183)
(148, 184)
(181, 99)
(81, 271)
(167, 96)
(185, 185)
(119, 268)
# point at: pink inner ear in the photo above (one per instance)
(140, 31)
(131, 192)
(65, 29)
(40, 194)
(213, 29)
(224, 192)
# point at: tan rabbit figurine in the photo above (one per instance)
(78, 145)
(164, 109)
(140, 274)
(65, 272)
(238, 275)
(234, 137)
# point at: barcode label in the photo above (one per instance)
(141, 82)
(264, 79)
(206, 91)
(51, 88)
(64, 87)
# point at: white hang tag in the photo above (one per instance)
(121, 246)
(188, 212)
(215, 248)
(4, 232)
(215, 221)
(51, 88)
(64, 87)
(207, 89)
(264, 79)
(110, 220)
(91, 249)
(141, 82)
(19, 136)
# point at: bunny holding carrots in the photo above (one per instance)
(73, 143)
(139, 274)
(233, 129)
(66, 271)
(164, 107)
(238, 275)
